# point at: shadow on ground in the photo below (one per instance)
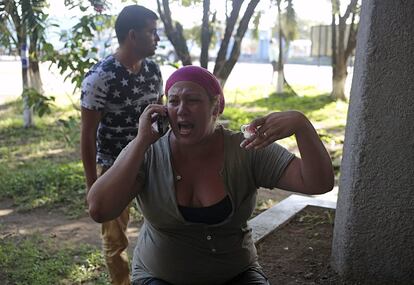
(288, 101)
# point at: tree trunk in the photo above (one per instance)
(34, 70)
(174, 34)
(34, 76)
(27, 111)
(280, 81)
(205, 34)
(338, 88)
(280, 73)
(230, 24)
(339, 75)
(34, 73)
(339, 70)
(340, 52)
(223, 68)
(333, 43)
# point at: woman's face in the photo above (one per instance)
(191, 112)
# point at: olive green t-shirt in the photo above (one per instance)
(181, 252)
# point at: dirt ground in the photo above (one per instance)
(299, 252)
(79, 231)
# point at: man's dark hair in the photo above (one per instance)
(132, 17)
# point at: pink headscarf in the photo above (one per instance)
(202, 77)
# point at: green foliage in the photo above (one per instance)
(19, 19)
(134, 213)
(69, 130)
(256, 22)
(189, 3)
(40, 103)
(262, 206)
(288, 20)
(40, 166)
(79, 52)
(194, 34)
(83, 5)
(45, 184)
(242, 106)
(328, 116)
(9, 111)
(239, 116)
(289, 23)
(305, 104)
(309, 219)
(318, 107)
(34, 260)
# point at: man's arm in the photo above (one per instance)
(89, 125)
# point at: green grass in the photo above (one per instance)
(47, 184)
(328, 117)
(41, 167)
(35, 260)
(319, 108)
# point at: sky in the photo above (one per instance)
(314, 10)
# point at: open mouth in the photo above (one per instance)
(185, 128)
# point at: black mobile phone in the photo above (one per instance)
(162, 124)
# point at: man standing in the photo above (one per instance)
(114, 93)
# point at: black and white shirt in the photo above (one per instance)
(121, 96)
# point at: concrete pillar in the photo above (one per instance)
(374, 226)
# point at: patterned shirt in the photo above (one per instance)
(121, 96)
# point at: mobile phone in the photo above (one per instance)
(162, 124)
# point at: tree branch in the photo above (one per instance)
(241, 30)
(349, 10)
(351, 44)
(205, 34)
(230, 23)
(174, 34)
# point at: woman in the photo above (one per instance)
(196, 185)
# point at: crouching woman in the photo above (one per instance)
(196, 185)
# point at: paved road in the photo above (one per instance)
(242, 76)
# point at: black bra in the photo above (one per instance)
(210, 215)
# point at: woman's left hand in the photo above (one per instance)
(273, 127)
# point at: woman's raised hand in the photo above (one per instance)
(273, 127)
(147, 134)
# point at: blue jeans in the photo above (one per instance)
(251, 276)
